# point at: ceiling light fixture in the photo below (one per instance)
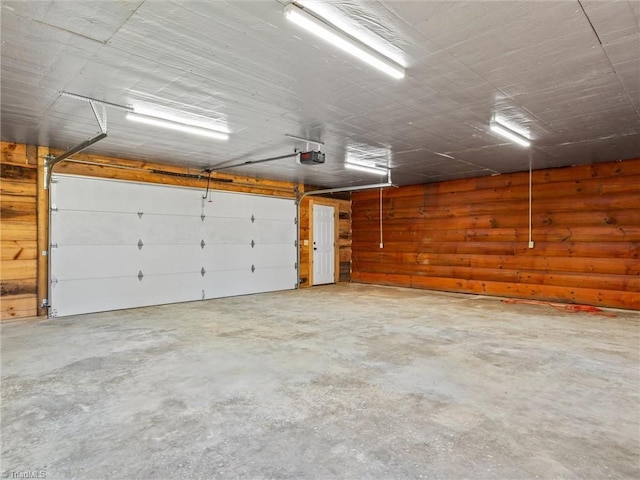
(362, 168)
(509, 134)
(181, 127)
(340, 39)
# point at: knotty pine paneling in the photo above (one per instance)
(18, 233)
(471, 235)
(344, 239)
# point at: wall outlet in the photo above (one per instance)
(530, 243)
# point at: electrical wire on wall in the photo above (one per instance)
(530, 198)
(381, 240)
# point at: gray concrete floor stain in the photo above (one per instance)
(345, 381)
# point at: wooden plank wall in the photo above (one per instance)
(18, 232)
(344, 240)
(472, 235)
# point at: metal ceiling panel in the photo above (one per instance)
(566, 72)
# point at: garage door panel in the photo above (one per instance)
(167, 259)
(170, 288)
(274, 256)
(74, 297)
(269, 208)
(91, 261)
(170, 229)
(219, 284)
(180, 202)
(224, 230)
(125, 244)
(95, 194)
(274, 279)
(94, 228)
(228, 257)
(228, 205)
(275, 232)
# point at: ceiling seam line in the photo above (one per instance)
(125, 22)
(589, 20)
(615, 72)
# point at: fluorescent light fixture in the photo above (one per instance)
(181, 127)
(362, 168)
(341, 40)
(509, 134)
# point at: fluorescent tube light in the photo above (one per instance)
(181, 127)
(509, 134)
(341, 40)
(362, 168)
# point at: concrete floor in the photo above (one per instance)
(346, 381)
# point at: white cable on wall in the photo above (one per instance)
(381, 241)
(530, 199)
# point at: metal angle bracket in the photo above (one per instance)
(101, 117)
(99, 109)
(50, 161)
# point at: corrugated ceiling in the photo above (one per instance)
(568, 72)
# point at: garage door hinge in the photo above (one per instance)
(295, 221)
(140, 213)
(253, 219)
(295, 243)
(253, 268)
(295, 266)
(53, 245)
(140, 275)
(140, 244)
(253, 244)
(54, 208)
(202, 272)
(54, 281)
(45, 303)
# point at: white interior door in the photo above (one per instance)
(123, 244)
(323, 244)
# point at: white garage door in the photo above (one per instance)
(122, 244)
